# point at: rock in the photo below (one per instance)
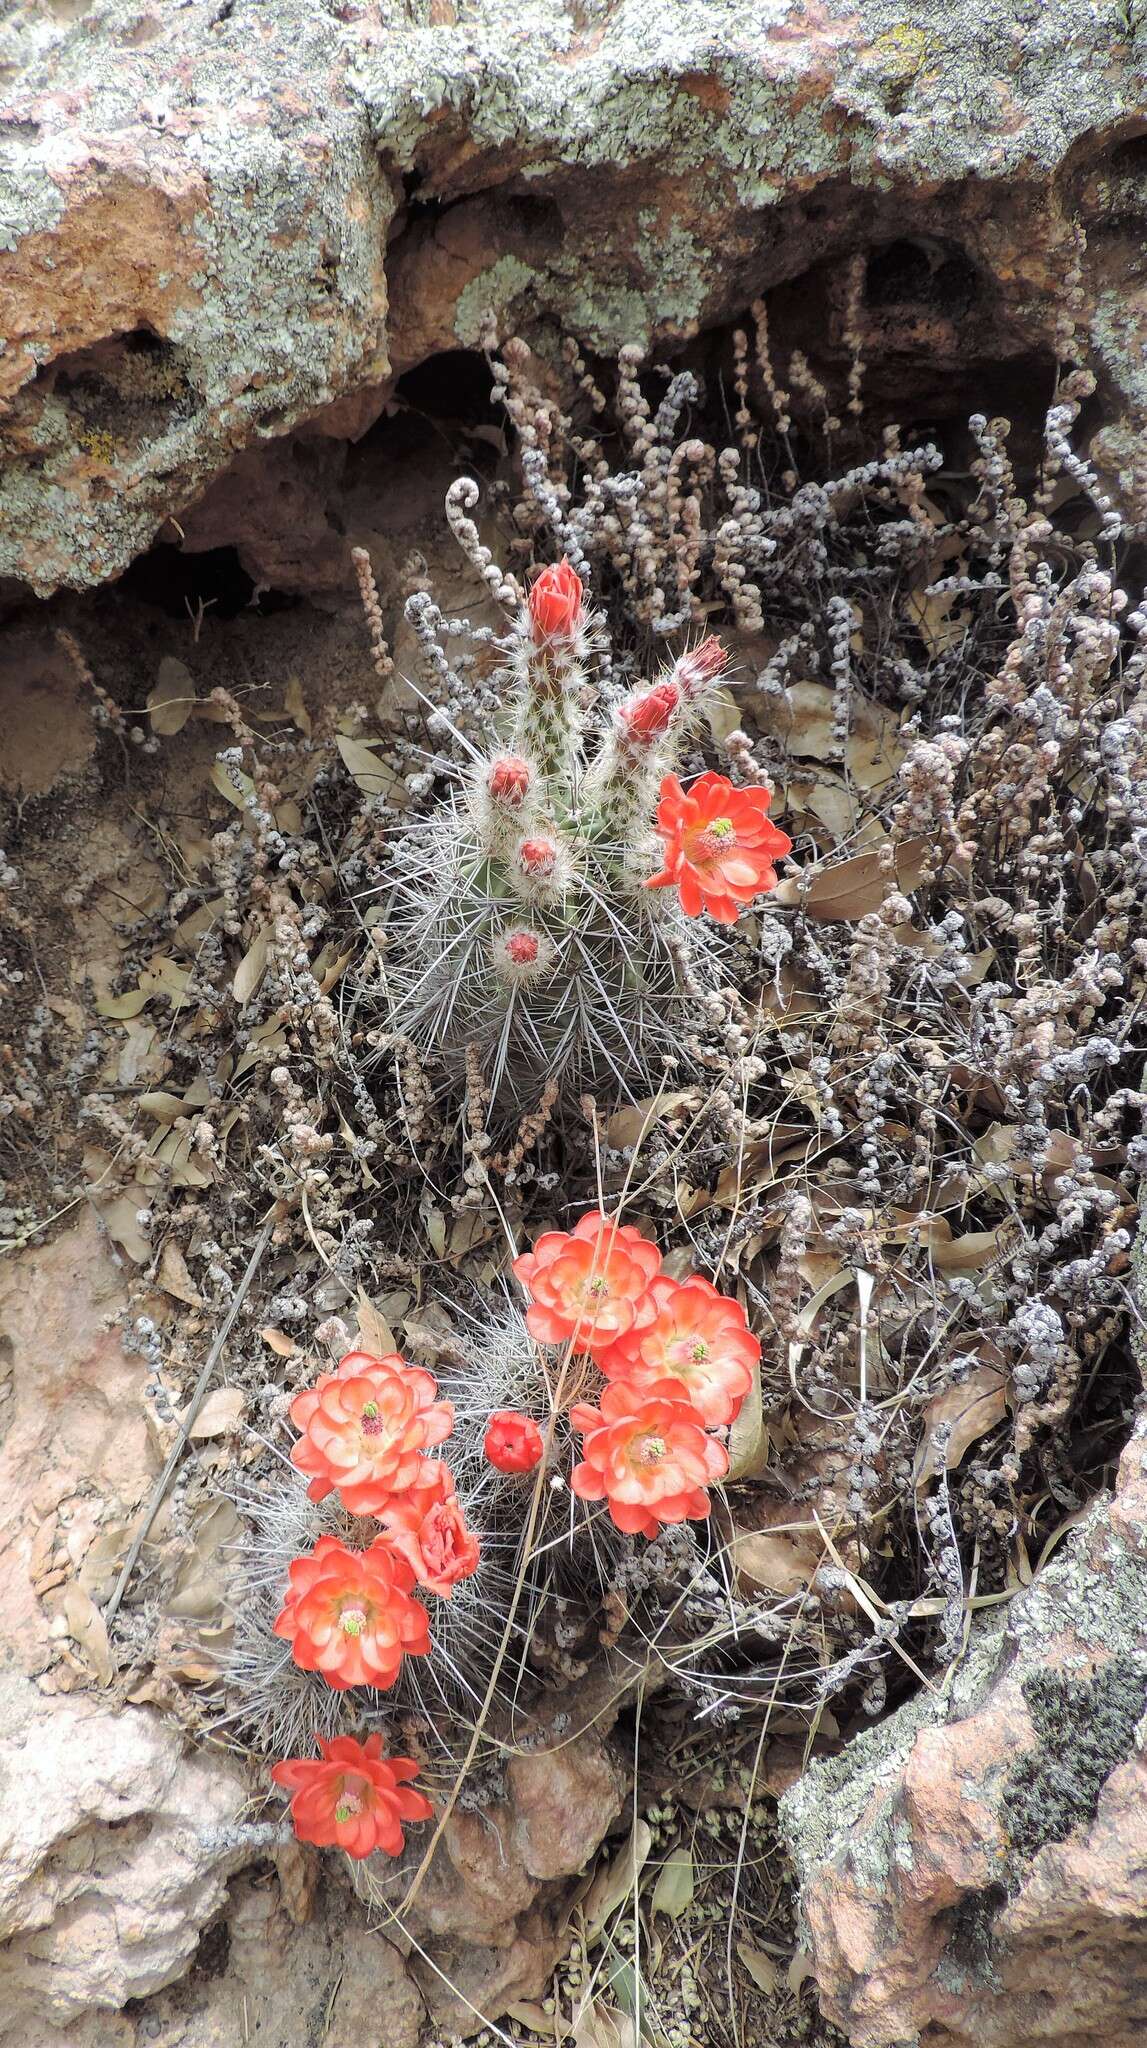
(115, 1851)
(204, 206)
(488, 1915)
(974, 1871)
(262, 1978)
(76, 1455)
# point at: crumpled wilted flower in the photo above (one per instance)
(352, 1797)
(365, 1427)
(589, 1285)
(555, 602)
(348, 1614)
(647, 1456)
(427, 1527)
(513, 1441)
(699, 1339)
(720, 845)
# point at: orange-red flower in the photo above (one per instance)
(365, 1427)
(513, 1441)
(590, 1285)
(429, 1530)
(555, 603)
(353, 1798)
(699, 1339)
(720, 845)
(348, 1614)
(647, 1456)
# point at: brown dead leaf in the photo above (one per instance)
(252, 967)
(172, 700)
(220, 1415)
(87, 1628)
(279, 1342)
(783, 1560)
(844, 890)
(972, 1408)
(174, 1277)
(372, 775)
(374, 1332)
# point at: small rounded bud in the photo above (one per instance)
(649, 713)
(509, 780)
(521, 955)
(555, 603)
(513, 1441)
(537, 856)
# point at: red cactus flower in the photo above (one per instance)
(647, 1456)
(699, 1339)
(648, 713)
(522, 948)
(429, 1530)
(701, 666)
(537, 856)
(555, 603)
(509, 779)
(348, 1614)
(719, 845)
(353, 1797)
(590, 1285)
(365, 1428)
(513, 1442)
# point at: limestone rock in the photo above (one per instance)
(203, 207)
(974, 1872)
(115, 1851)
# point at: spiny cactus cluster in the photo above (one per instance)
(522, 919)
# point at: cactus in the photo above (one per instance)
(520, 918)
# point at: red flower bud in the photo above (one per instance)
(537, 856)
(513, 1442)
(509, 779)
(702, 666)
(522, 948)
(647, 714)
(555, 603)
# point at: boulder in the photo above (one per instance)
(974, 1871)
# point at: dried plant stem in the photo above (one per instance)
(180, 1444)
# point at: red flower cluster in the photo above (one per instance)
(720, 845)
(354, 1799)
(678, 1356)
(350, 1614)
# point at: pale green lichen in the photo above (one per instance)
(494, 289)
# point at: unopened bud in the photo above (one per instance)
(521, 955)
(509, 780)
(649, 713)
(537, 856)
(701, 666)
(555, 603)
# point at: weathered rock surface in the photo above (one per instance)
(488, 1914)
(974, 1871)
(207, 209)
(114, 1854)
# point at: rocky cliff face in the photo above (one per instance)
(225, 224)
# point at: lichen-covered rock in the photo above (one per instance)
(202, 208)
(974, 1872)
